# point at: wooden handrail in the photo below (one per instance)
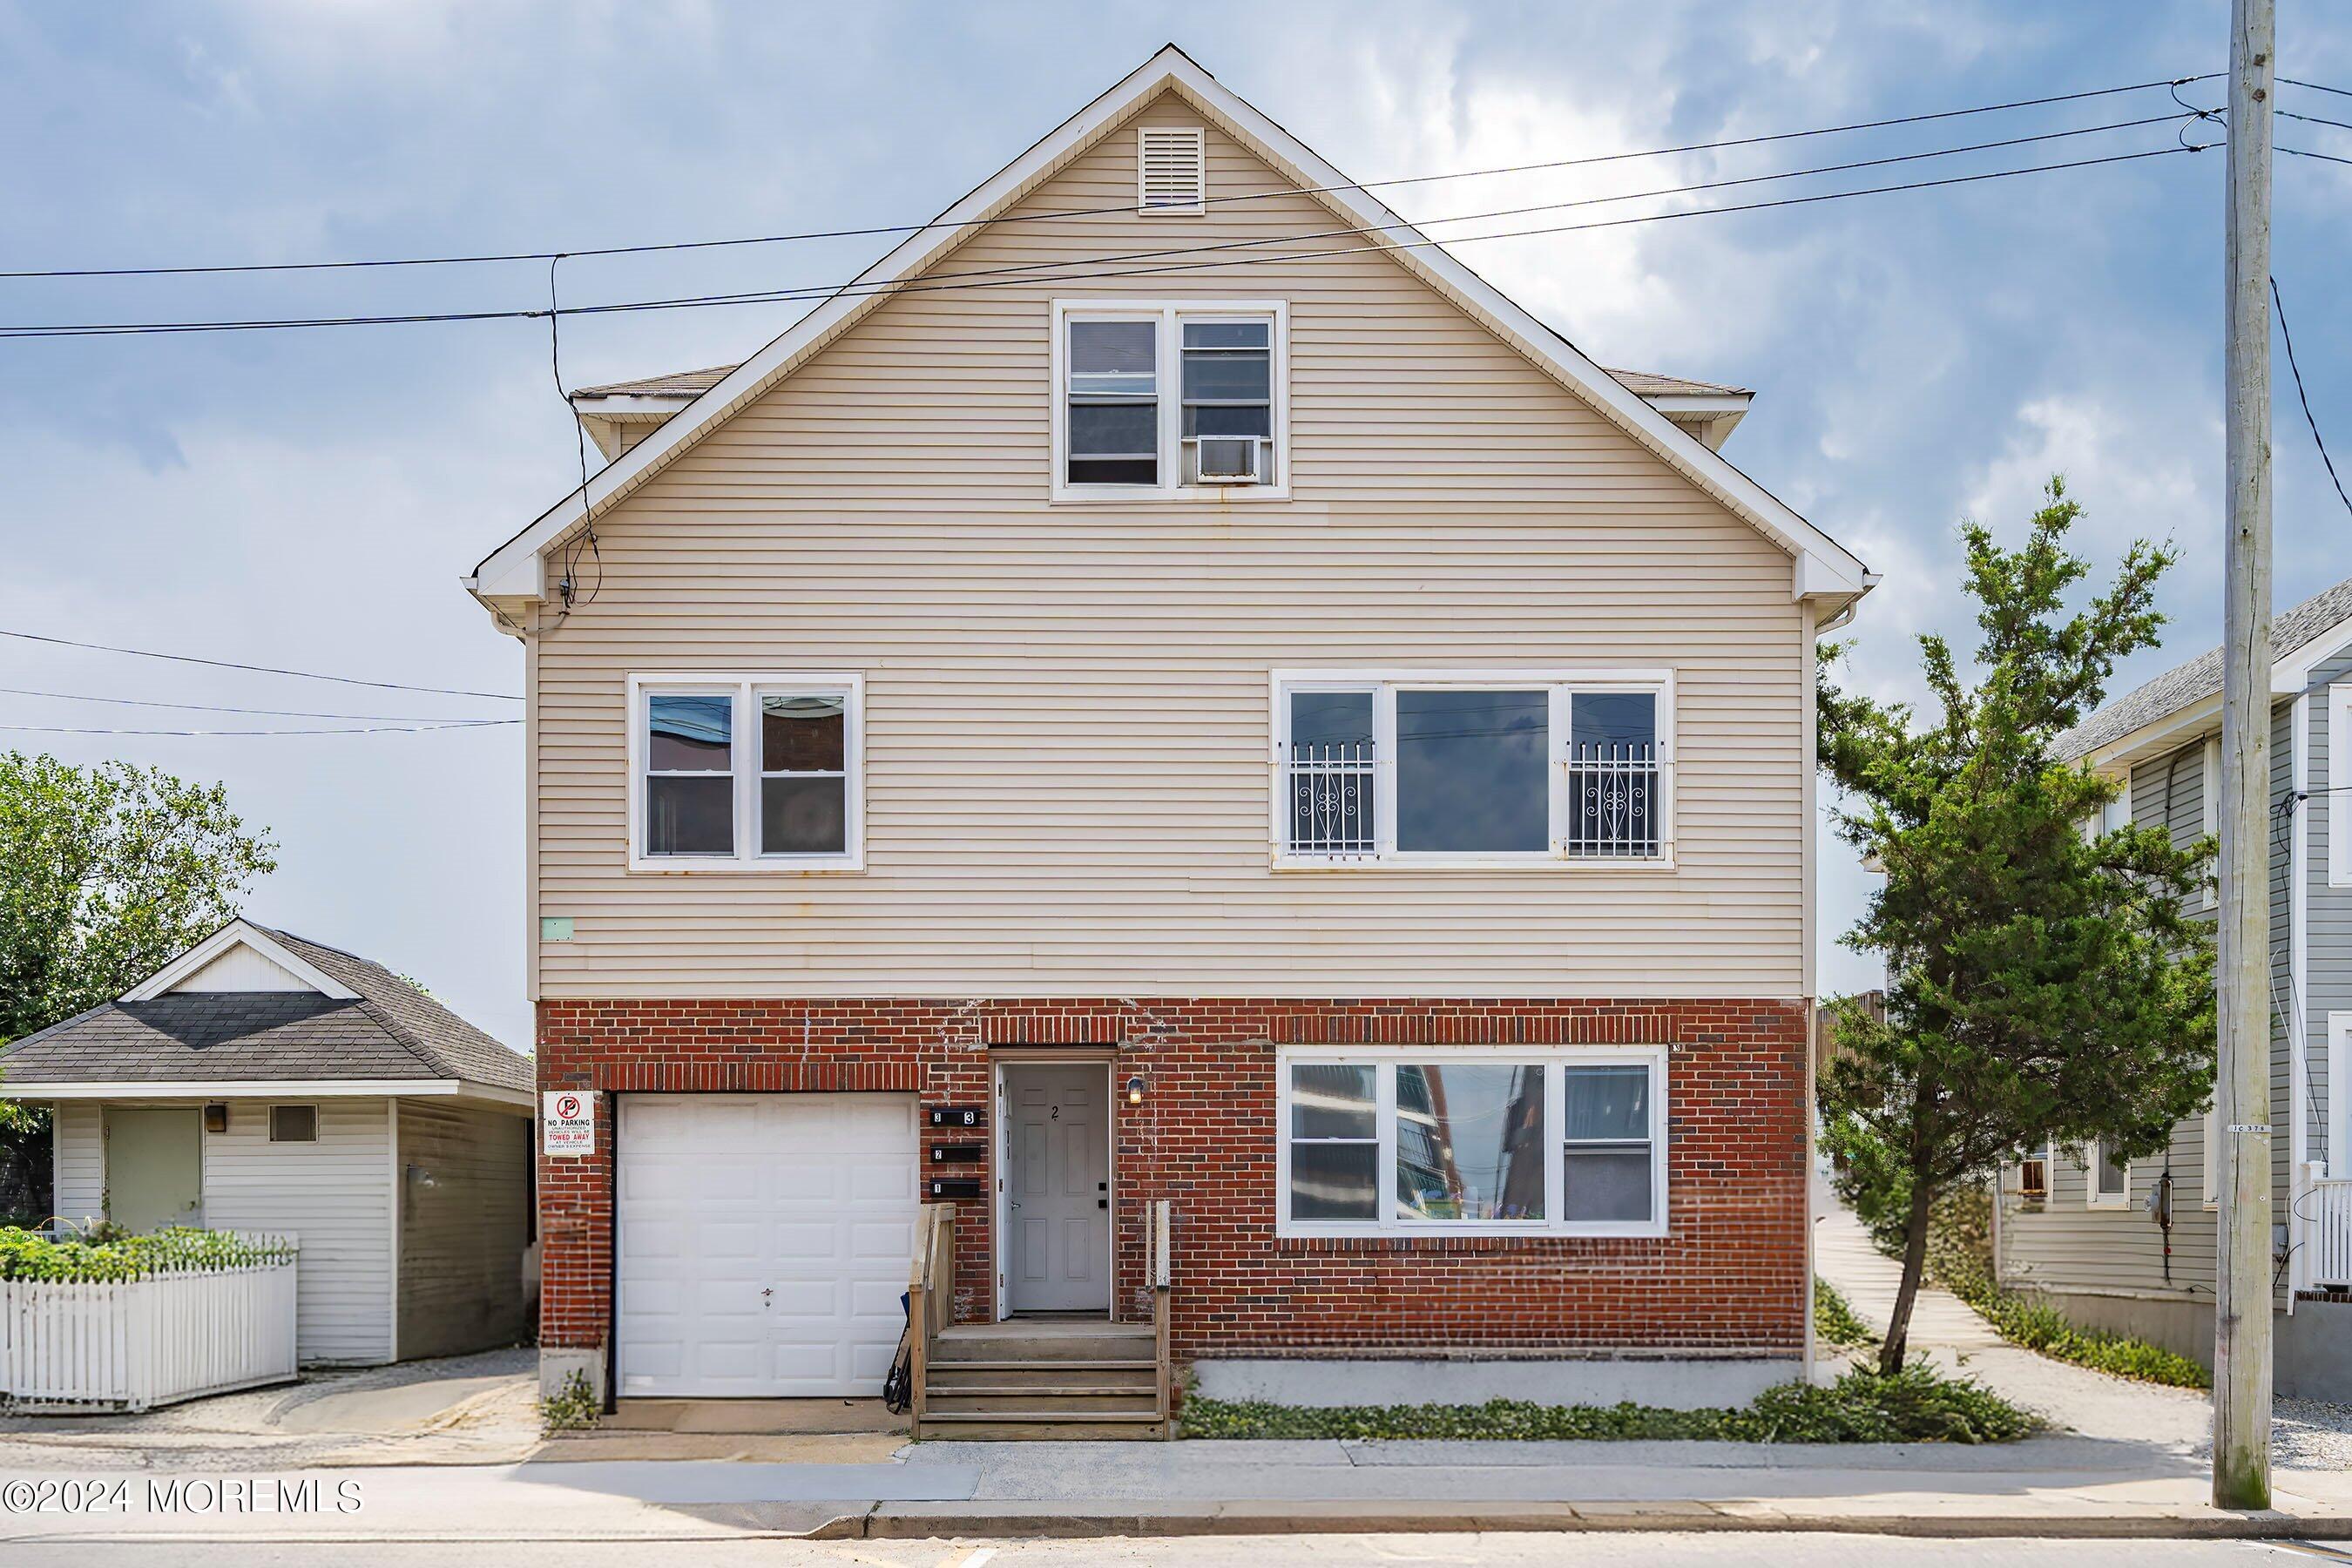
(930, 1298)
(1160, 1249)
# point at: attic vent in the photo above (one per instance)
(1170, 169)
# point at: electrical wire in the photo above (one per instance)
(208, 734)
(2305, 397)
(567, 585)
(217, 708)
(2314, 86)
(1033, 273)
(2323, 157)
(942, 221)
(260, 669)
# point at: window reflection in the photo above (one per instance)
(1470, 1142)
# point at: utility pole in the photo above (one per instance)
(2242, 1301)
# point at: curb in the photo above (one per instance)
(1031, 1520)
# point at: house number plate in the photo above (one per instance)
(958, 1153)
(959, 1115)
(954, 1189)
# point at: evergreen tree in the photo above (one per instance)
(2043, 983)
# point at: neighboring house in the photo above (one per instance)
(260, 1082)
(1275, 730)
(2082, 1227)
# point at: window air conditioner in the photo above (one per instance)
(1228, 459)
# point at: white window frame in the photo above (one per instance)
(2209, 895)
(1169, 379)
(1551, 1058)
(2046, 1157)
(1562, 685)
(745, 761)
(2093, 1156)
(2339, 1096)
(2337, 805)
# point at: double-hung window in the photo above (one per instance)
(1158, 399)
(1442, 767)
(1417, 1141)
(746, 772)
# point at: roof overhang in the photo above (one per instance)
(237, 933)
(2290, 673)
(269, 1088)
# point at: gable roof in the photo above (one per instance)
(369, 1026)
(1824, 569)
(2298, 638)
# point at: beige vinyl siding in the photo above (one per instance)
(336, 1195)
(1067, 733)
(462, 1236)
(78, 1161)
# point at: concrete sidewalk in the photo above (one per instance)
(2046, 1486)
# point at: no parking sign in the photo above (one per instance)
(567, 1122)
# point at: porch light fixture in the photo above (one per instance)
(1135, 1089)
(216, 1118)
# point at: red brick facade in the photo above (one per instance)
(1729, 1276)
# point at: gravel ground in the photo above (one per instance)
(2311, 1434)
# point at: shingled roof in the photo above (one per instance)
(389, 1031)
(2190, 684)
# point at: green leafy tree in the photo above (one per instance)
(106, 874)
(2041, 981)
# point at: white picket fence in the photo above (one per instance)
(132, 1344)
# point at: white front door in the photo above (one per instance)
(765, 1240)
(1057, 1189)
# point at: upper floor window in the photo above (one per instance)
(1159, 399)
(1470, 768)
(1418, 1139)
(745, 771)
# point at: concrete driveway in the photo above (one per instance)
(471, 1409)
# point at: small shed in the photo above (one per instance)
(263, 1083)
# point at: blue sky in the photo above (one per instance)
(311, 499)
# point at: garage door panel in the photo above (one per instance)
(811, 1198)
(878, 1179)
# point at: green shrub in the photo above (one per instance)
(571, 1408)
(1834, 1319)
(2039, 1326)
(25, 1254)
(1915, 1406)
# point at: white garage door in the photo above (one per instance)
(763, 1242)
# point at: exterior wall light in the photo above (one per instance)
(1135, 1089)
(216, 1118)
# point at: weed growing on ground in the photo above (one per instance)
(573, 1408)
(1917, 1405)
(1835, 1320)
(2039, 1326)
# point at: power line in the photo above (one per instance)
(2323, 157)
(2312, 119)
(2316, 86)
(217, 708)
(2279, 302)
(256, 669)
(210, 735)
(941, 222)
(1032, 272)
